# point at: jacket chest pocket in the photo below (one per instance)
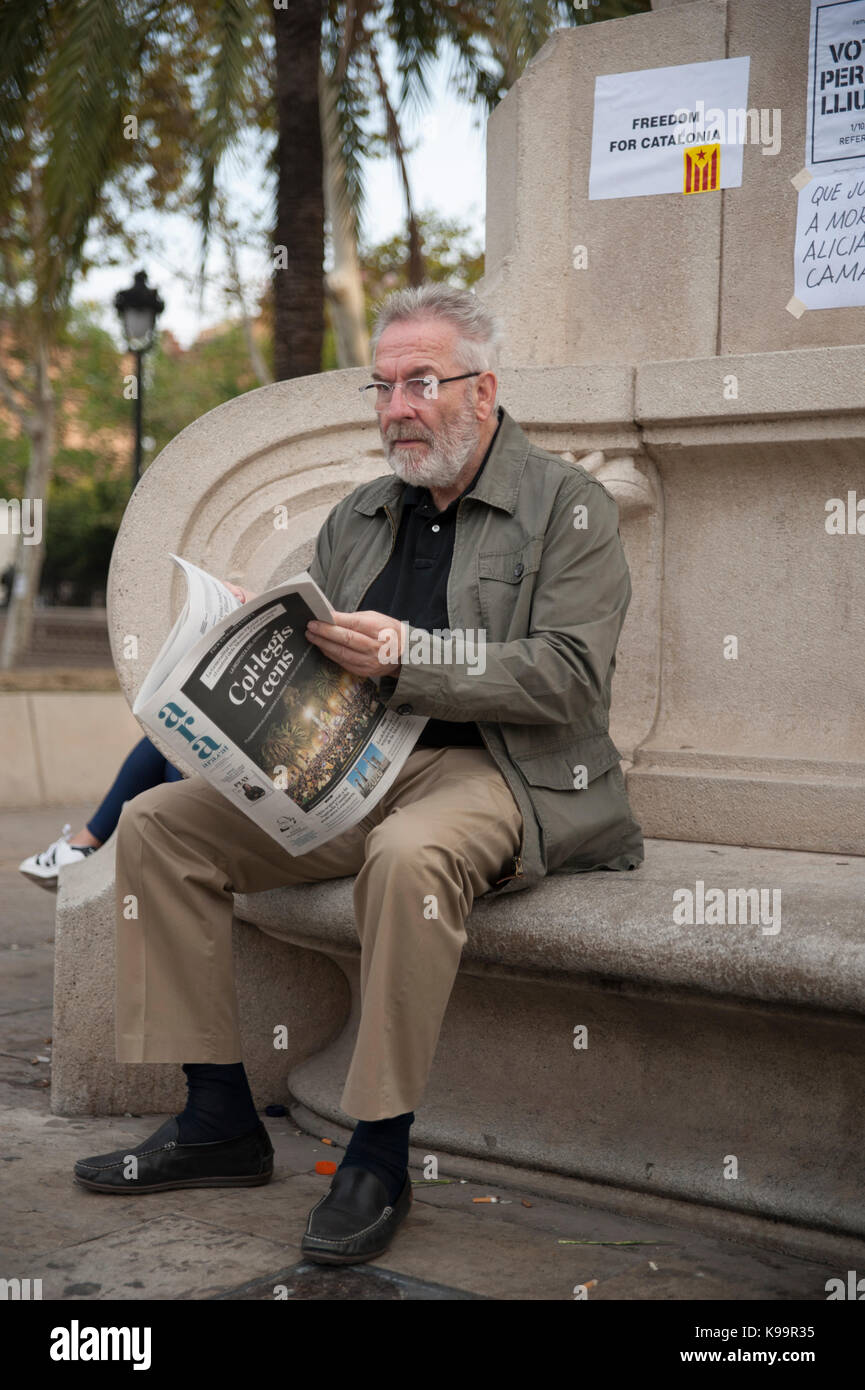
(506, 585)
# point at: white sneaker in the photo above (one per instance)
(44, 868)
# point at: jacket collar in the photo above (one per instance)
(498, 484)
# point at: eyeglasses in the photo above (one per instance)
(416, 389)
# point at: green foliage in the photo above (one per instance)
(89, 385)
(14, 453)
(181, 387)
(110, 104)
(84, 509)
(91, 483)
(194, 73)
(449, 255)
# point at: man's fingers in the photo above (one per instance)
(367, 623)
(364, 663)
(339, 636)
(332, 649)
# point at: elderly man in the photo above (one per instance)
(476, 534)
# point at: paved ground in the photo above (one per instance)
(244, 1245)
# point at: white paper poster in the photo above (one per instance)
(649, 125)
(836, 87)
(830, 241)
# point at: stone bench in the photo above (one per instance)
(704, 1043)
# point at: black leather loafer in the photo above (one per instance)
(161, 1162)
(354, 1221)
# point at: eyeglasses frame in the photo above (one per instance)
(439, 380)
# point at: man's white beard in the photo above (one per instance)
(448, 453)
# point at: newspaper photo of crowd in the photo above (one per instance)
(317, 730)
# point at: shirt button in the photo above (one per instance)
(404, 709)
(518, 569)
(436, 528)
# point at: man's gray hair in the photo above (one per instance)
(480, 333)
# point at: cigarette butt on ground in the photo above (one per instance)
(525, 1203)
(327, 1141)
(485, 1199)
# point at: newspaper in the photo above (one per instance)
(301, 745)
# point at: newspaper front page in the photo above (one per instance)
(301, 745)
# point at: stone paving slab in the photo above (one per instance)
(366, 1282)
(161, 1257)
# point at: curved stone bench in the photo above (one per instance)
(709, 1048)
(703, 1043)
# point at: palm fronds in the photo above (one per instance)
(224, 108)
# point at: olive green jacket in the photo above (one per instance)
(538, 567)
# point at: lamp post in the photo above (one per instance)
(139, 308)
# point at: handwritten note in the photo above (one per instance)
(830, 242)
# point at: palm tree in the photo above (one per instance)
(292, 703)
(286, 746)
(76, 76)
(201, 71)
(71, 72)
(298, 276)
(490, 41)
(329, 680)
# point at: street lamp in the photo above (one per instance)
(139, 308)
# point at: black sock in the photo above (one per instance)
(219, 1103)
(381, 1146)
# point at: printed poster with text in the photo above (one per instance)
(830, 224)
(836, 87)
(648, 123)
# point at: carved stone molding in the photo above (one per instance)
(634, 491)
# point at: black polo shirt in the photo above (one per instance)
(412, 587)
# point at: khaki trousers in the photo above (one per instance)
(439, 837)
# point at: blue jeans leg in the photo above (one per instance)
(145, 767)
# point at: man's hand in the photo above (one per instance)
(243, 594)
(361, 642)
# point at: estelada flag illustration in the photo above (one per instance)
(702, 168)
